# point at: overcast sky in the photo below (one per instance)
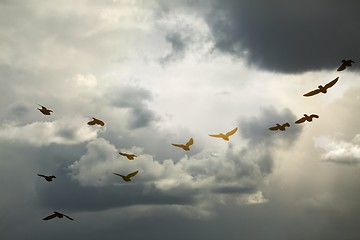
(159, 72)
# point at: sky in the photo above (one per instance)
(159, 72)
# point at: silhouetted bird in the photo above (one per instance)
(224, 136)
(280, 127)
(47, 178)
(186, 147)
(307, 118)
(44, 110)
(345, 63)
(57, 214)
(130, 156)
(321, 89)
(127, 177)
(96, 121)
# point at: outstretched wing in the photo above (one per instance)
(68, 217)
(190, 142)
(274, 128)
(132, 174)
(231, 132)
(312, 93)
(314, 116)
(119, 175)
(215, 135)
(92, 122)
(124, 154)
(101, 123)
(301, 120)
(332, 83)
(50, 216)
(178, 145)
(342, 67)
(40, 175)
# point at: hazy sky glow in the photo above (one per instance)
(158, 72)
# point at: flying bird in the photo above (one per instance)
(224, 136)
(57, 214)
(345, 63)
(44, 110)
(186, 147)
(127, 177)
(96, 121)
(129, 156)
(280, 127)
(321, 89)
(47, 178)
(306, 118)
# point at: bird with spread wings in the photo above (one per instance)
(345, 63)
(44, 110)
(58, 215)
(129, 156)
(128, 177)
(321, 89)
(280, 127)
(186, 147)
(96, 121)
(224, 136)
(307, 118)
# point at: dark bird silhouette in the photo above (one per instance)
(129, 156)
(127, 177)
(321, 89)
(96, 121)
(345, 63)
(57, 214)
(186, 147)
(224, 136)
(306, 118)
(47, 178)
(280, 127)
(44, 110)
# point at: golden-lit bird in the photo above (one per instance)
(280, 127)
(307, 118)
(186, 147)
(47, 178)
(345, 63)
(321, 89)
(127, 177)
(58, 215)
(96, 121)
(224, 136)
(44, 110)
(129, 156)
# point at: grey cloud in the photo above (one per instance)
(134, 98)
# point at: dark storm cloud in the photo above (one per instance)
(287, 36)
(134, 98)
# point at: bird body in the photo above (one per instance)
(128, 177)
(224, 136)
(47, 178)
(130, 156)
(44, 110)
(96, 121)
(280, 127)
(321, 89)
(306, 118)
(345, 63)
(58, 215)
(186, 147)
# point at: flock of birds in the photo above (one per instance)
(320, 89)
(186, 146)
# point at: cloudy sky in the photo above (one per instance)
(159, 72)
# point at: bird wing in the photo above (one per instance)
(132, 174)
(332, 83)
(274, 128)
(50, 216)
(342, 67)
(68, 217)
(40, 175)
(312, 93)
(92, 122)
(178, 145)
(216, 135)
(314, 116)
(101, 123)
(231, 132)
(301, 120)
(190, 142)
(124, 154)
(119, 175)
